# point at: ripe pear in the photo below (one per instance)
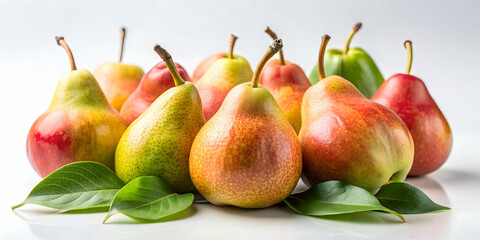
(79, 125)
(205, 64)
(153, 84)
(408, 96)
(224, 74)
(118, 80)
(346, 137)
(158, 143)
(248, 155)
(287, 82)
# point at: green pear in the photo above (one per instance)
(158, 143)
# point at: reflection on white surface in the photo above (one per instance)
(205, 221)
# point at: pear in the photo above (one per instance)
(205, 64)
(158, 143)
(346, 137)
(79, 125)
(287, 82)
(224, 74)
(408, 97)
(118, 80)
(248, 155)
(153, 84)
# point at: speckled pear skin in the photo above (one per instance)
(248, 155)
(158, 142)
(80, 125)
(220, 78)
(287, 83)
(346, 137)
(153, 84)
(118, 81)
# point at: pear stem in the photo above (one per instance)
(61, 42)
(321, 57)
(408, 46)
(123, 32)
(272, 50)
(167, 58)
(233, 39)
(352, 32)
(274, 36)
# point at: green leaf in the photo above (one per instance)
(335, 197)
(148, 198)
(405, 198)
(79, 185)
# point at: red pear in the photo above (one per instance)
(408, 96)
(287, 82)
(153, 84)
(346, 137)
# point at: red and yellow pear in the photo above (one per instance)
(205, 64)
(346, 137)
(408, 96)
(247, 155)
(79, 125)
(224, 74)
(118, 80)
(287, 82)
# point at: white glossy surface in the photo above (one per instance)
(454, 185)
(445, 56)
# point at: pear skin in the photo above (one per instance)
(346, 137)
(158, 143)
(224, 74)
(153, 84)
(287, 82)
(220, 78)
(248, 154)
(79, 125)
(205, 65)
(409, 98)
(118, 81)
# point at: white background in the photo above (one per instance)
(445, 37)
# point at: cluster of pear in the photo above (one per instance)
(243, 137)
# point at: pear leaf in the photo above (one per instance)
(78, 185)
(405, 198)
(148, 198)
(335, 197)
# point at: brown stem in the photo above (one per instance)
(321, 57)
(408, 46)
(167, 58)
(352, 32)
(233, 39)
(62, 43)
(121, 46)
(274, 36)
(272, 50)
